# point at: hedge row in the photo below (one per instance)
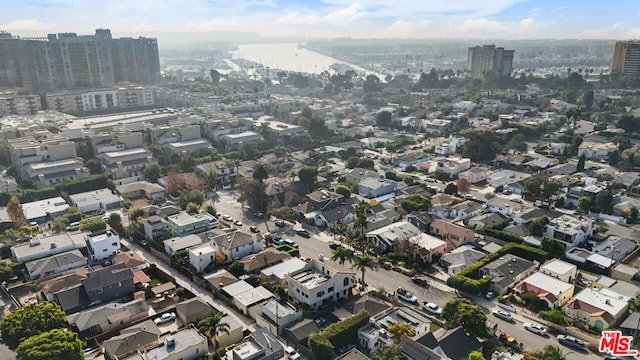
(337, 335)
(289, 249)
(469, 280)
(501, 235)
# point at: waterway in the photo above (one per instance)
(293, 57)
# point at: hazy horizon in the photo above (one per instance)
(192, 21)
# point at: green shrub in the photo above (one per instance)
(501, 235)
(337, 335)
(555, 316)
(289, 249)
(321, 347)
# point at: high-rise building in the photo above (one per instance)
(69, 61)
(626, 58)
(489, 59)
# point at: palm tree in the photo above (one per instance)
(363, 262)
(342, 254)
(213, 326)
(260, 172)
(362, 211)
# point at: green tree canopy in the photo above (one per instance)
(581, 162)
(31, 320)
(307, 175)
(236, 268)
(475, 355)
(541, 186)
(93, 224)
(415, 202)
(584, 204)
(462, 312)
(56, 344)
(343, 190)
(14, 210)
(191, 196)
(451, 189)
(482, 146)
(383, 118)
(363, 262)
(152, 172)
(554, 248)
(536, 227)
(260, 172)
(6, 272)
(389, 352)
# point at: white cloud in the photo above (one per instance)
(28, 25)
(479, 25)
(407, 29)
(339, 17)
(617, 30)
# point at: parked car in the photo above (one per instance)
(303, 233)
(506, 192)
(517, 200)
(387, 265)
(227, 218)
(432, 308)
(290, 243)
(490, 295)
(406, 295)
(218, 214)
(259, 214)
(165, 318)
(280, 223)
(320, 322)
(73, 226)
(504, 315)
(254, 229)
(469, 197)
(292, 354)
(334, 245)
(536, 329)
(420, 280)
(237, 223)
(571, 342)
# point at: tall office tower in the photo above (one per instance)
(489, 59)
(626, 58)
(69, 61)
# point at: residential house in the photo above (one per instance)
(92, 201)
(185, 224)
(508, 180)
(594, 150)
(615, 248)
(421, 220)
(450, 146)
(423, 247)
(600, 309)
(549, 290)
(185, 344)
(324, 200)
(255, 262)
(130, 340)
(118, 140)
(343, 214)
(317, 284)
(374, 336)
(389, 236)
(217, 128)
(569, 230)
(226, 174)
(201, 257)
(102, 246)
(500, 206)
(460, 258)
(63, 281)
(527, 216)
(141, 189)
(132, 260)
(371, 188)
(410, 159)
(259, 345)
(175, 244)
(453, 344)
(487, 219)
(453, 165)
(436, 125)
(126, 163)
(45, 246)
(465, 210)
(506, 271)
(248, 302)
(475, 174)
(44, 211)
(219, 279)
(156, 228)
(455, 235)
(298, 334)
(108, 318)
(236, 142)
(280, 132)
(192, 310)
(54, 265)
(276, 316)
(561, 270)
(234, 245)
(355, 175)
(46, 161)
(277, 274)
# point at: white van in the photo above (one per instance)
(292, 354)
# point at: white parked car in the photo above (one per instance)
(432, 308)
(406, 295)
(165, 318)
(292, 354)
(536, 329)
(227, 218)
(238, 223)
(504, 315)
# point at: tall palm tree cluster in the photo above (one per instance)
(212, 326)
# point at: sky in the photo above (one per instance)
(410, 19)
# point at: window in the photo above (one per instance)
(320, 293)
(98, 291)
(345, 282)
(330, 289)
(114, 244)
